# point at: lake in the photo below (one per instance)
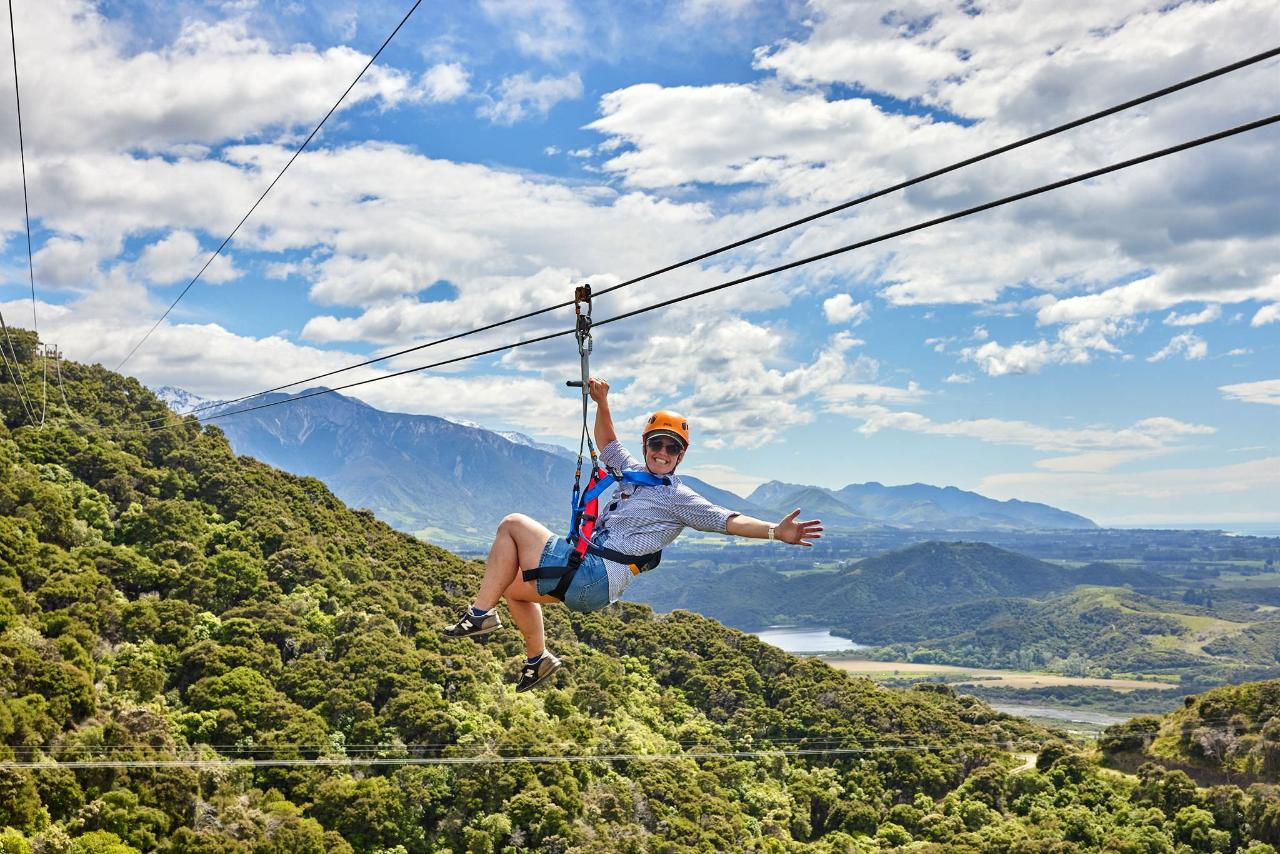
(801, 641)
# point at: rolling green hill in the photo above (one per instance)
(1233, 731)
(167, 601)
(926, 575)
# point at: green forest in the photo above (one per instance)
(202, 654)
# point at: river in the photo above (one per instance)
(800, 641)
(810, 641)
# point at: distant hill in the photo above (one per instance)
(452, 482)
(927, 575)
(1084, 631)
(919, 505)
(449, 482)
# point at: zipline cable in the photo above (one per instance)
(1026, 194)
(960, 164)
(244, 218)
(22, 156)
(26, 210)
(1045, 134)
(1045, 188)
(1224, 725)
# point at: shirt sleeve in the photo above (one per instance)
(618, 457)
(694, 511)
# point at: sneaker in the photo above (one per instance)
(533, 675)
(471, 626)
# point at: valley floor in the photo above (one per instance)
(984, 677)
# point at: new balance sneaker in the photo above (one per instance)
(471, 626)
(533, 675)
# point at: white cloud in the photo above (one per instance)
(1266, 314)
(1188, 345)
(1012, 59)
(1262, 391)
(1099, 461)
(959, 378)
(178, 257)
(1208, 314)
(521, 97)
(1197, 225)
(445, 81)
(841, 309)
(85, 86)
(1075, 344)
(1242, 492)
(852, 396)
(546, 29)
(725, 477)
(67, 262)
(1148, 435)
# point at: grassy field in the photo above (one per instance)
(981, 676)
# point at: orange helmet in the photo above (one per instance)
(667, 423)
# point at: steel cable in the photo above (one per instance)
(960, 164)
(1045, 188)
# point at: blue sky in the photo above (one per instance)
(1109, 349)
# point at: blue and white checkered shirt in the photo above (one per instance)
(638, 520)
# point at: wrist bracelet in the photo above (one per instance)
(771, 537)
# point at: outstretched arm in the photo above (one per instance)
(789, 530)
(599, 390)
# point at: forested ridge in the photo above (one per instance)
(165, 599)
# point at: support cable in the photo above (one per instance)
(244, 218)
(490, 760)
(15, 370)
(1150, 96)
(1045, 188)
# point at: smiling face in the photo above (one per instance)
(662, 454)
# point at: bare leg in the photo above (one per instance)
(528, 618)
(518, 544)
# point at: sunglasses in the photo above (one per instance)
(657, 444)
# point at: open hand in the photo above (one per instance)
(798, 533)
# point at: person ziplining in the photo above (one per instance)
(607, 546)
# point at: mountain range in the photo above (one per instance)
(452, 482)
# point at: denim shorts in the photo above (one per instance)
(589, 590)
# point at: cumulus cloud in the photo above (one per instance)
(1208, 314)
(1144, 436)
(1188, 345)
(841, 308)
(521, 97)
(1075, 344)
(178, 256)
(1266, 314)
(1262, 391)
(445, 81)
(1196, 228)
(87, 88)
